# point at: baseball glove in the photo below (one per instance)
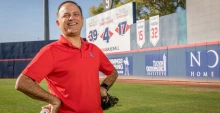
(108, 101)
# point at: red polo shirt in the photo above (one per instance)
(72, 74)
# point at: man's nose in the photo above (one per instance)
(72, 17)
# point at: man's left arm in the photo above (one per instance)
(108, 82)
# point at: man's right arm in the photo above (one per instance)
(29, 87)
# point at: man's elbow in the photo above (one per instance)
(19, 82)
(17, 87)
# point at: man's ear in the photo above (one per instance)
(58, 23)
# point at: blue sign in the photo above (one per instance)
(202, 63)
(123, 65)
(156, 65)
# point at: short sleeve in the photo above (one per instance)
(106, 66)
(40, 66)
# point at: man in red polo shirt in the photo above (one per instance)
(71, 67)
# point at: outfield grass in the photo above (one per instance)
(133, 98)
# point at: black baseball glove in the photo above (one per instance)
(108, 101)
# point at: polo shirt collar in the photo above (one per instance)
(65, 42)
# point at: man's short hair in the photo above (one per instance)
(69, 2)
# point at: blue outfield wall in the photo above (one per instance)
(190, 62)
(15, 56)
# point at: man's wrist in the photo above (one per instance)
(104, 85)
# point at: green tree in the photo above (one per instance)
(97, 10)
(147, 8)
(165, 7)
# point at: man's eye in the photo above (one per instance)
(66, 15)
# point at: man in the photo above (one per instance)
(71, 67)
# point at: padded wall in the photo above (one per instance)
(15, 56)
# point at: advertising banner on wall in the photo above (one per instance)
(123, 65)
(197, 64)
(154, 30)
(156, 64)
(140, 27)
(110, 30)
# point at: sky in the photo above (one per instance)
(22, 20)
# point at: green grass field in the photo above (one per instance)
(134, 98)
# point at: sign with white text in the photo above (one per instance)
(123, 65)
(154, 30)
(197, 64)
(156, 65)
(140, 27)
(110, 30)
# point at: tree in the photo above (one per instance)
(147, 8)
(97, 10)
(165, 7)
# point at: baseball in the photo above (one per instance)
(44, 111)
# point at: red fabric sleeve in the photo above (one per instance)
(40, 66)
(106, 66)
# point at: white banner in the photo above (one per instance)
(140, 27)
(154, 30)
(110, 30)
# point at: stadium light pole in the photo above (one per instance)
(46, 20)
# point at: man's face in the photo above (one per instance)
(70, 20)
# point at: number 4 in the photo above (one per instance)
(106, 35)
